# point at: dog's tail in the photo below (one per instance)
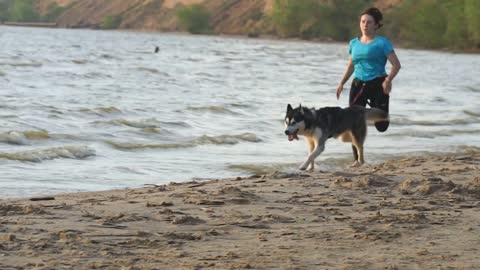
(376, 115)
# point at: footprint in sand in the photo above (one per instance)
(187, 220)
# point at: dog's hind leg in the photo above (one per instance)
(355, 153)
(358, 139)
(359, 154)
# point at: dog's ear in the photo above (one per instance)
(301, 109)
(289, 108)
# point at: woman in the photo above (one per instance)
(368, 56)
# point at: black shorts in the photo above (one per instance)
(370, 92)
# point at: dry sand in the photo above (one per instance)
(414, 213)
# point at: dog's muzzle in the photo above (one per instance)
(292, 135)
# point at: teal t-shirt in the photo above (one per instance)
(369, 60)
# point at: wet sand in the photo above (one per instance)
(414, 213)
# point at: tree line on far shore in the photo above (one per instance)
(414, 23)
(430, 24)
(24, 11)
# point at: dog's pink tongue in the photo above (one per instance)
(292, 137)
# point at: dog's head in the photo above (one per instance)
(294, 122)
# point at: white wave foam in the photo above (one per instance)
(13, 137)
(71, 152)
(141, 123)
(22, 137)
(212, 108)
(227, 139)
(202, 140)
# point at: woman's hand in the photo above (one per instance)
(387, 83)
(387, 86)
(339, 90)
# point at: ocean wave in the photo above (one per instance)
(433, 134)
(142, 123)
(261, 169)
(70, 152)
(470, 113)
(153, 70)
(227, 139)
(80, 61)
(472, 89)
(205, 74)
(468, 149)
(96, 75)
(101, 110)
(22, 137)
(176, 124)
(409, 122)
(139, 146)
(108, 56)
(211, 108)
(32, 64)
(202, 140)
(151, 125)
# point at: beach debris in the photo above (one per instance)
(42, 199)
(195, 184)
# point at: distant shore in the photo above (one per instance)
(268, 37)
(31, 24)
(413, 213)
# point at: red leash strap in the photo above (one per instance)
(358, 95)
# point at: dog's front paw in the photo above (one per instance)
(303, 167)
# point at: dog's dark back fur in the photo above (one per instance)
(335, 120)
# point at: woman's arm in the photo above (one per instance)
(387, 83)
(346, 75)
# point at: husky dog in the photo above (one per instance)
(317, 126)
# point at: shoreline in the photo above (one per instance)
(31, 24)
(419, 212)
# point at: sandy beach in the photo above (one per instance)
(414, 213)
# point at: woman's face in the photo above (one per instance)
(367, 24)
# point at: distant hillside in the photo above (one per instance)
(238, 17)
(228, 17)
(435, 24)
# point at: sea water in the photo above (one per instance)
(86, 110)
